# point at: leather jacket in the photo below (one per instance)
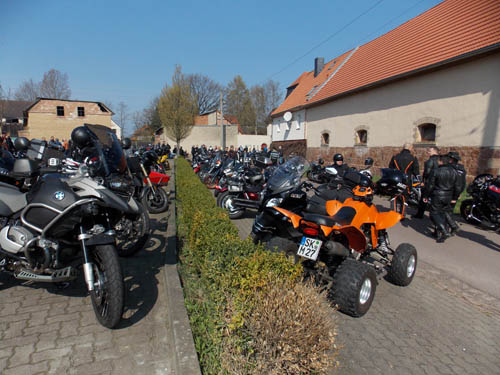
(341, 169)
(406, 163)
(429, 165)
(462, 174)
(443, 183)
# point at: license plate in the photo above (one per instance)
(309, 248)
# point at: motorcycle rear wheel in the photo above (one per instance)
(224, 202)
(108, 294)
(138, 234)
(156, 201)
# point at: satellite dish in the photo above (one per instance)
(287, 116)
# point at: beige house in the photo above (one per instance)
(434, 80)
(207, 131)
(57, 117)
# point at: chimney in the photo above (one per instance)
(319, 63)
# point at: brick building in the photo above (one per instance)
(434, 80)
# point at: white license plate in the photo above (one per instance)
(309, 248)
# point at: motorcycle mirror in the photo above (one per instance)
(126, 143)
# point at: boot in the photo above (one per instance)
(441, 233)
(454, 228)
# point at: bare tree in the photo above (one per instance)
(122, 116)
(177, 107)
(206, 92)
(151, 115)
(28, 91)
(239, 103)
(138, 120)
(55, 85)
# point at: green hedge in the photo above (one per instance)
(224, 277)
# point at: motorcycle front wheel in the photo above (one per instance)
(155, 199)
(225, 202)
(133, 233)
(108, 294)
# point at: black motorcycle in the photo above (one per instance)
(58, 227)
(484, 206)
(400, 191)
(317, 173)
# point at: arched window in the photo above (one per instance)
(427, 133)
(361, 137)
(325, 139)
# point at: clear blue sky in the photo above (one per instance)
(122, 50)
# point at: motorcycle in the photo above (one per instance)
(348, 250)
(484, 206)
(401, 193)
(317, 172)
(58, 226)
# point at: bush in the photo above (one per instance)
(248, 309)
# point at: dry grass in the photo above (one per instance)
(291, 331)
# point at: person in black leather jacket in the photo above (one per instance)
(443, 190)
(453, 159)
(406, 162)
(429, 166)
(339, 165)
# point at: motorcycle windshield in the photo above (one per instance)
(288, 175)
(109, 149)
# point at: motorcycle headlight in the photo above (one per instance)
(274, 202)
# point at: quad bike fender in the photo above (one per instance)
(356, 238)
(294, 218)
(387, 219)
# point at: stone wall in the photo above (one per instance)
(476, 160)
(298, 147)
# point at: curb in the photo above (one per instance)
(185, 356)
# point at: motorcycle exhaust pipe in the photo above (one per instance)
(336, 248)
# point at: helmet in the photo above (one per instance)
(126, 143)
(21, 143)
(320, 161)
(338, 157)
(80, 136)
(369, 161)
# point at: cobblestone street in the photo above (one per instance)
(44, 330)
(437, 325)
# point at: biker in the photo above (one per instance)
(443, 189)
(453, 159)
(406, 162)
(429, 166)
(338, 164)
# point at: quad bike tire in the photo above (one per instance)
(404, 265)
(465, 211)
(353, 289)
(140, 238)
(285, 246)
(222, 201)
(155, 202)
(108, 294)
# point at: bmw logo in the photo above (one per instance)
(59, 195)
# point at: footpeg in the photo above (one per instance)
(59, 276)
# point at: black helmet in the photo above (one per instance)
(126, 143)
(338, 157)
(80, 136)
(368, 162)
(21, 143)
(320, 161)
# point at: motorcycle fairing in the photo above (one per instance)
(387, 219)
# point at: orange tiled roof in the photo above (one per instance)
(451, 29)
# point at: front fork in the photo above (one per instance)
(150, 184)
(87, 265)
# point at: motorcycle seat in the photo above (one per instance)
(320, 219)
(344, 216)
(254, 179)
(11, 199)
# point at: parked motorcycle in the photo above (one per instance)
(317, 172)
(58, 226)
(484, 206)
(400, 191)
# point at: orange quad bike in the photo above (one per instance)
(349, 250)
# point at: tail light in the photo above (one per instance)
(311, 229)
(253, 196)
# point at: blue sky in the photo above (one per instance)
(126, 50)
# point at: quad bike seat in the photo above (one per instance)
(320, 219)
(344, 216)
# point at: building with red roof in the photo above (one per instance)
(434, 80)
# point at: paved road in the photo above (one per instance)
(44, 330)
(441, 324)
